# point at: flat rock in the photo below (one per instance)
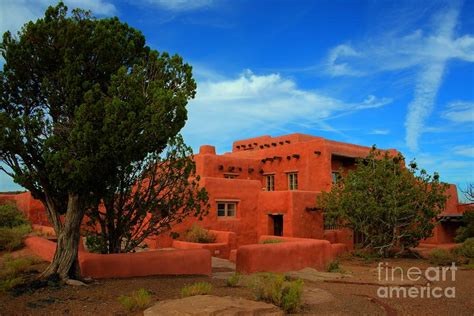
(311, 274)
(314, 296)
(222, 263)
(210, 305)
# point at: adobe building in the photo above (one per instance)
(269, 186)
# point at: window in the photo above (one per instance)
(230, 176)
(293, 181)
(335, 176)
(270, 182)
(226, 209)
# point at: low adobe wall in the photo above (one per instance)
(226, 237)
(292, 254)
(124, 265)
(225, 242)
(220, 250)
(340, 236)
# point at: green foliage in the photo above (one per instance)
(233, 280)
(276, 289)
(12, 238)
(199, 235)
(12, 270)
(392, 207)
(467, 248)
(467, 229)
(85, 106)
(10, 216)
(333, 266)
(443, 257)
(139, 300)
(367, 254)
(198, 288)
(272, 241)
(94, 243)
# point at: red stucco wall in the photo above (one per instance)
(158, 262)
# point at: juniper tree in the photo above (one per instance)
(393, 207)
(81, 98)
(146, 199)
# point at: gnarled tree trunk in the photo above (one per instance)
(65, 262)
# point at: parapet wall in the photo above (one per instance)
(124, 265)
(289, 255)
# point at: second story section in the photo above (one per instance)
(291, 162)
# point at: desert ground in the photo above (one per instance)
(352, 291)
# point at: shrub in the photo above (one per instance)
(233, 280)
(366, 254)
(291, 299)
(198, 288)
(467, 248)
(467, 230)
(334, 267)
(272, 241)
(10, 216)
(276, 289)
(12, 238)
(199, 235)
(443, 257)
(138, 300)
(11, 271)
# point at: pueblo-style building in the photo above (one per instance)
(269, 186)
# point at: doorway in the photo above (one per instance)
(277, 227)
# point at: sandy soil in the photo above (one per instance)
(354, 294)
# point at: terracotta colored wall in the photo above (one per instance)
(161, 262)
(340, 236)
(292, 254)
(220, 250)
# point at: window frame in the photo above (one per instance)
(292, 181)
(270, 185)
(226, 209)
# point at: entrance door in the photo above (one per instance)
(277, 225)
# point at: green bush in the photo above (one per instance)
(233, 280)
(366, 254)
(443, 257)
(12, 238)
(11, 217)
(199, 235)
(139, 299)
(276, 289)
(11, 270)
(198, 288)
(467, 229)
(467, 248)
(272, 241)
(334, 267)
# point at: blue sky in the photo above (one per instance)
(399, 74)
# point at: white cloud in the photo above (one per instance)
(335, 61)
(182, 5)
(14, 14)
(467, 151)
(380, 132)
(425, 51)
(460, 112)
(253, 105)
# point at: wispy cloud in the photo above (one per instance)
(460, 112)
(182, 5)
(424, 51)
(467, 150)
(380, 132)
(14, 14)
(252, 105)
